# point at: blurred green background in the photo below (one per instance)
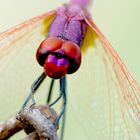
(118, 20)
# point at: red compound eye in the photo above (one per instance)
(72, 51)
(47, 46)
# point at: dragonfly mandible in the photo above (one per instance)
(64, 36)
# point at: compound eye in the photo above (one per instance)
(49, 45)
(73, 52)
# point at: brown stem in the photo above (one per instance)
(9, 128)
(37, 123)
(41, 118)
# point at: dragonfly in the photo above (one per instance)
(68, 46)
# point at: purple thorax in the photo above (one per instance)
(82, 3)
(69, 25)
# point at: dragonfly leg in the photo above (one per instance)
(35, 85)
(63, 126)
(50, 92)
(63, 113)
(63, 93)
(60, 96)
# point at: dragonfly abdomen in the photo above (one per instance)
(60, 53)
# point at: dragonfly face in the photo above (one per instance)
(58, 57)
(60, 53)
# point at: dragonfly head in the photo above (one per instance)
(58, 57)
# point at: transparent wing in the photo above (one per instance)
(105, 97)
(18, 67)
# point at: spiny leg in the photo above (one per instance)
(62, 95)
(54, 102)
(63, 112)
(63, 123)
(35, 85)
(63, 92)
(50, 92)
(58, 98)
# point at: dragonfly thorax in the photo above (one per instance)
(82, 3)
(68, 24)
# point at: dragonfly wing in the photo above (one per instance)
(105, 97)
(18, 66)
